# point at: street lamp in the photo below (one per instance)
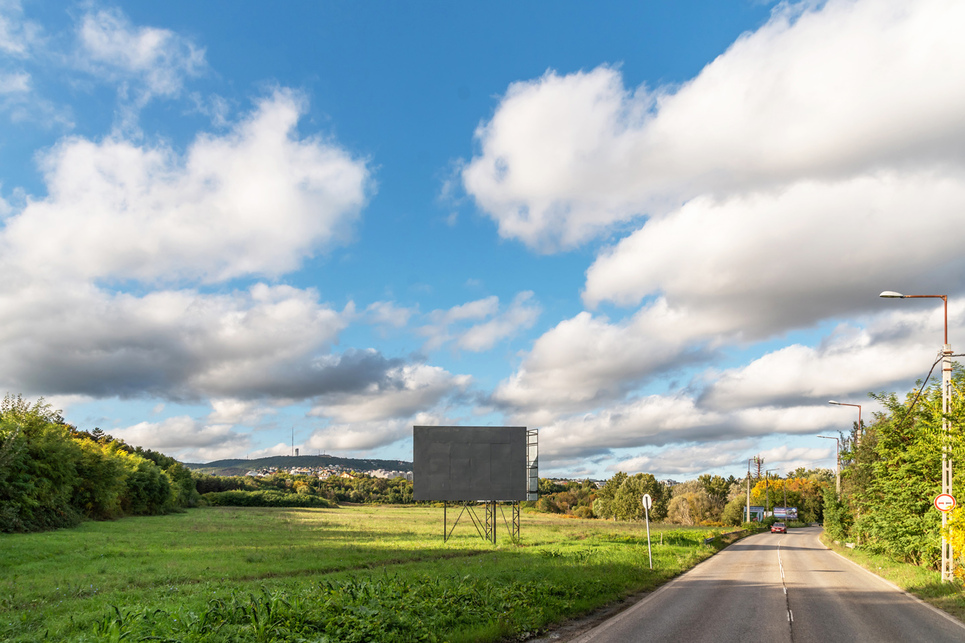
(857, 439)
(837, 460)
(948, 559)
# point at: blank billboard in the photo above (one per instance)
(468, 463)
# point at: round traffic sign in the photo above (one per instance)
(647, 501)
(945, 502)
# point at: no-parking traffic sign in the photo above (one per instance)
(944, 502)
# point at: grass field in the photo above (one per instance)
(367, 573)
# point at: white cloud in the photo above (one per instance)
(365, 435)
(386, 313)
(157, 60)
(254, 202)
(520, 315)
(764, 262)
(185, 438)
(403, 391)
(17, 35)
(786, 459)
(646, 421)
(689, 460)
(660, 420)
(14, 83)
(359, 436)
(473, 310)
(821, 92)
(587, 360)
(234, 411)
(891, 352)
(175, 344)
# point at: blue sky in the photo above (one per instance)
(655, 231)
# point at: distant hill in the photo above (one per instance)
(240, 466)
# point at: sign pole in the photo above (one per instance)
(647, 503)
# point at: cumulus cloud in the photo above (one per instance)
(765, 262)
(387, 313)
(365, 435)
(256, 201)
(891, 352)
(451, 325)
(176, 344)
(821, 92)
(676, 424)
(688, 460)
(144, 61)
(691, 460)
(800, 173)
(234, 411)
(360, 436)
(185, 438)
(588, 360)
(402, 390)
(521, 314)
(647, 421)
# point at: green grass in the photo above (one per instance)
(371, 573)
(924, 583)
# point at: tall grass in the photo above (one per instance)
(350, 574)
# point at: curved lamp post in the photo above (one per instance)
(857, 438)
(948, 559)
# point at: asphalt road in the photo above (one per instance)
(777, 587)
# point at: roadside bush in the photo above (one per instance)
(53, 476)
(264, 499)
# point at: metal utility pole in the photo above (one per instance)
(948, 556)
(749, 489)
(784, 484)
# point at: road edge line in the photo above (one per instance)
(938, 611)
(616, 618)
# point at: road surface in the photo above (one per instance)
(775, 588)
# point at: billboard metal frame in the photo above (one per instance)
(485, 528)
(469, 466)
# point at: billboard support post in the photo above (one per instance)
(476, 465)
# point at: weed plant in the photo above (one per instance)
(371, 573)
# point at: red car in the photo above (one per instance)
(779, 528)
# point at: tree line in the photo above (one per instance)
(53, 475)
(891, 474)
(334, 489)
(710, 500)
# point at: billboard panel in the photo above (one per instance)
(467, 463)
(788, 513)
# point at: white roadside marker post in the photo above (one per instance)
(647, 503)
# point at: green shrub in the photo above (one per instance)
(264, 499)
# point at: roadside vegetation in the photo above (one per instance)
(350, 574)
(301, 490)
(52, 475)
(710, 500)
(890, 475)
